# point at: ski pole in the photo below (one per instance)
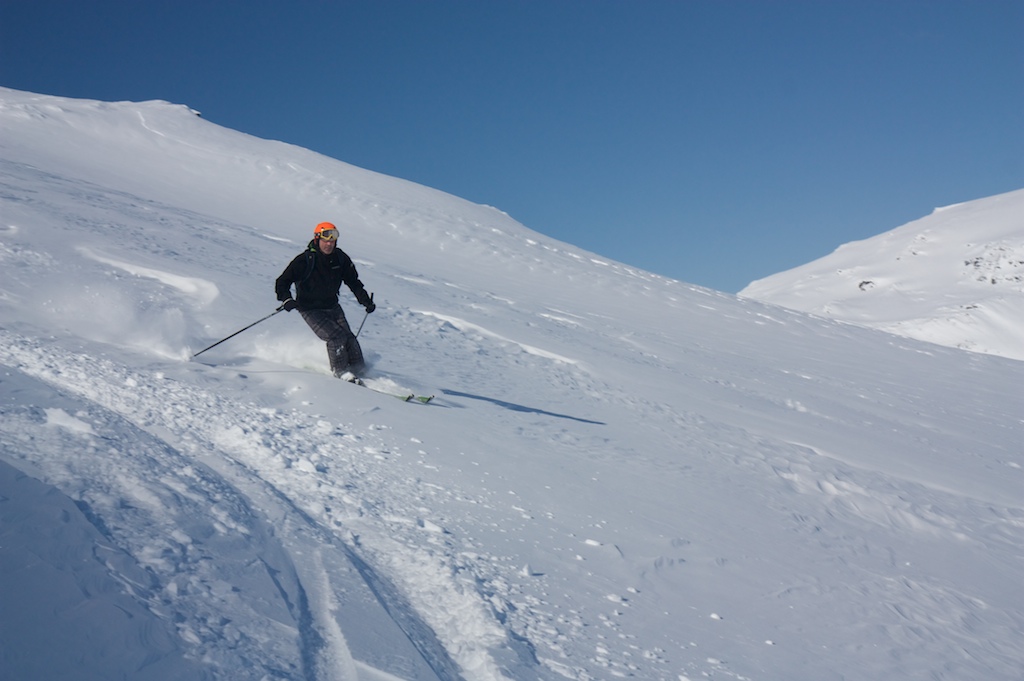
(364, 318)
(280, 309)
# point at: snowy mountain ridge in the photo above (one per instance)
(955, 277)
(620, 476)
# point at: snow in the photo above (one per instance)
(955, 278)
(620, 476)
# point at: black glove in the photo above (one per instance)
(288, 305)
(369, 305)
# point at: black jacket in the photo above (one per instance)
(318, 278)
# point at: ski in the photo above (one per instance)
(405, 397)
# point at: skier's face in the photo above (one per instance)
(326, 247)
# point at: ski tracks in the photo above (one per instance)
(246, 528)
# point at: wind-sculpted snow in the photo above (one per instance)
(204, 292)
(620, 476)
(464, 326)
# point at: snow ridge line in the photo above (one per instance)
(204, 421)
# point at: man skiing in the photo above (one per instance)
(317, 274)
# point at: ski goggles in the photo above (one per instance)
(329, 235)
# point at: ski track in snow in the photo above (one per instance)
(246, 457)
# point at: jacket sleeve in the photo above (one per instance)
(351, 279)
(283, 285)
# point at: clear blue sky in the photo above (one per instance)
(711, 141)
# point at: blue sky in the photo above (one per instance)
(715, 142)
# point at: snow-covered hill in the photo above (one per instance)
(955, 277)
(621, 476)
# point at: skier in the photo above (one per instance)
(317, 274)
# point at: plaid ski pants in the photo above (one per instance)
(343, 349)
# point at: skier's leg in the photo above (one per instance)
(337, 356)
(352, 350)
(356, 363)
(324, 323)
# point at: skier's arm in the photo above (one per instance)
(283, 285)
(351, 279)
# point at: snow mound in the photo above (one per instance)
(955, 277)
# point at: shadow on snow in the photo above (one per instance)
(518, 407)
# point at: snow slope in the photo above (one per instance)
(621, 476)
(955, 277)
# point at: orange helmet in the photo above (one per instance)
(325, 230)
